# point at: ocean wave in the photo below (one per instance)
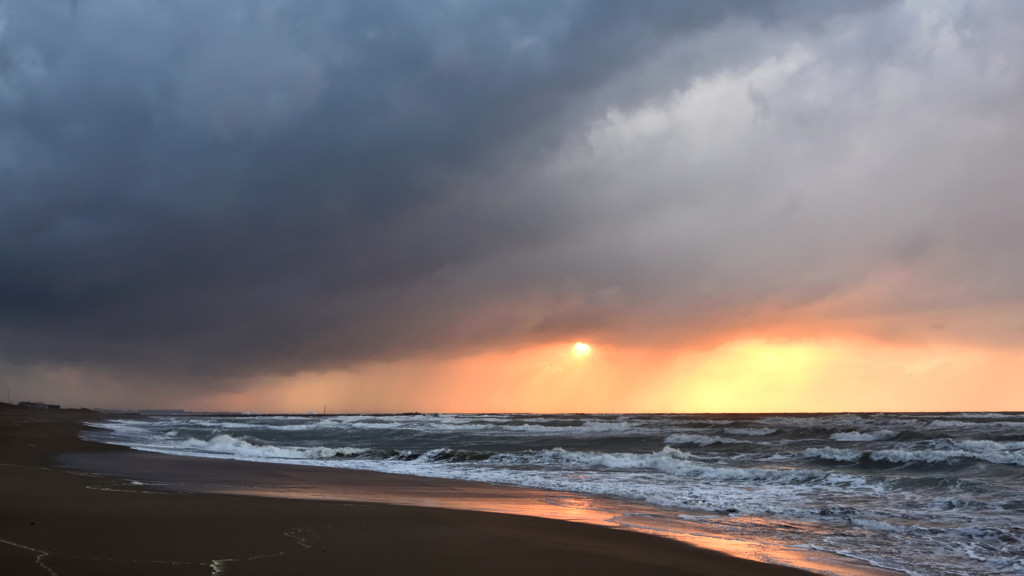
(241, 448)
(669, 460)
(391, 425)
(830, 422)
(878, 525)
(676, 462)
(864, 436)
(987, 425)
(897, 456)
(540, 427)
(835, 454)
(124, 427)
(751, 431)
(698, 439)
(227, 444)
(939, 456)
(454, 455)
(988, 445)
(423, 423)
(987, 415)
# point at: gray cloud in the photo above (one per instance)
(238, 188)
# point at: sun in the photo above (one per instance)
(581, 350)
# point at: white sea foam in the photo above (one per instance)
(993, 425)
(673, 461)
(540, 426)
(898, 456)
(228, 445)
(836, 454)
(864, 436)
(988, 445)
(698, 439)
(380, 425)
(936, 456)
(879, 525)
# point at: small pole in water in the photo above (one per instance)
(325, 409)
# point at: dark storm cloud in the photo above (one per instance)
(243, 187)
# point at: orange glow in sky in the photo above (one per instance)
(745, 375)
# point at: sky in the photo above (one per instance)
(269, 205)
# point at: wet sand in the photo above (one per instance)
(60, 520)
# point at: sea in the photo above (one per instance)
(918, 494)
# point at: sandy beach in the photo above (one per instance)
(57, 520)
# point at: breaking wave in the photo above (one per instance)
(228, 445)
(698, 440)
(993, 455)
(864, 436)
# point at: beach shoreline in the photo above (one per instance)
(59, 520)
